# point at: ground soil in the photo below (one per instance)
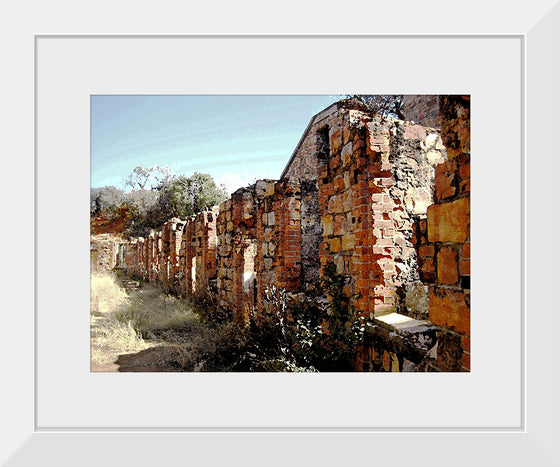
(154, 359)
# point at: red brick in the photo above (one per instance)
(466, 250)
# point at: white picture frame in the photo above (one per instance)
(528, 438)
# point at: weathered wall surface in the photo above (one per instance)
(104, 249)
(386, 200)
(423, 109)
(447, 246)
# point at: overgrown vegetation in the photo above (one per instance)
(383, 105)
(156, 195)
(319, 329)
(316, 331)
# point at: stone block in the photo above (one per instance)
(445, 180)
(449, 222)
(346, 154)
(335, 204)
(271, 218)
(348, 242)
(426, 251)
(449, 355)
(386, 361)
(339, 183)
(414, 132)
(394, 363)
(334, 244)
(339, 262)
(327, 222)
(447, 267)
(347, 133)
(271, 248)
(339, 224)
(336, 141)
(448, 308)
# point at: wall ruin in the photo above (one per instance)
(386, 200)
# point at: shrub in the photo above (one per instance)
(321, 329)
(222, 347)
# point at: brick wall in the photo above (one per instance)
(386, 200)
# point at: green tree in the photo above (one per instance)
(167, 196)
(184, 196)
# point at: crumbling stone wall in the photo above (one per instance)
(279, 240)
(235, 254)
(374, 179)
(197, 254)
(386, 200)
(107, 251)
(445, 250)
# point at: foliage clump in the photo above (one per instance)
(320, 329)
(316, 331)
(156, 195)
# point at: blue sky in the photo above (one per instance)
(236, 139)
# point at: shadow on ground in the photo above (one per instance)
(155, 359)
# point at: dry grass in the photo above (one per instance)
(127, 323)
(155, 314)
(106, 295)
(110, 337)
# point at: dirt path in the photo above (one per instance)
(109, 343)
(154, 358)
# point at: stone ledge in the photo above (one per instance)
(414, 342)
